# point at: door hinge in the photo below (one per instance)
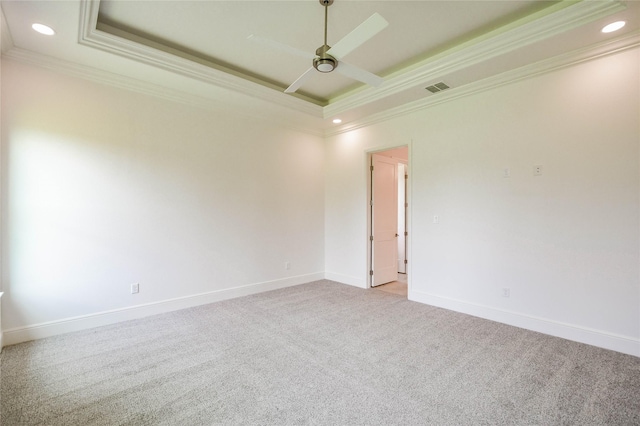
(371, 238)
(405, 261)
(406, 204)
(371, 168)
(406, 176)
(406, 233)
(371, 273)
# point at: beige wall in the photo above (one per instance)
(103, 188)
(565, 243)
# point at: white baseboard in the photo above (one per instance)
(345, 279)
(593, 337)
(624, 344)
(66, 325)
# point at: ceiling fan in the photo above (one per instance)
(327, 58)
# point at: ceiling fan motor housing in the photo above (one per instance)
(324, 62)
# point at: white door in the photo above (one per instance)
(384, 212)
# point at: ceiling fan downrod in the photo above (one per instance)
(325, 62)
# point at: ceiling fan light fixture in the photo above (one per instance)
(326, 60)
(324, 64)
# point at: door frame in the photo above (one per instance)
(367, 161)
(405, 231)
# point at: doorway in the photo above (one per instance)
(388, 220)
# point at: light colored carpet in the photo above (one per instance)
(319, 353)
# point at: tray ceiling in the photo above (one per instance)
(202, 47)
(218, 31)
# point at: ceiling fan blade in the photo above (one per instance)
(359, 74)
(300, 81)
(280, 46)
(363, 32)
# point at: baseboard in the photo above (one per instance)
(624, 344)
(598, 338)
(345, 279)
(66, 325)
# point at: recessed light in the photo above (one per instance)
(615, 26)
(43, 29)
(337, 121)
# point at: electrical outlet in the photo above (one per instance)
(135, 288)
(436, 219)
(506, 173)
(287, 265)
(537, 170)
(506, 292)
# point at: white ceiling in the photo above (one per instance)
(201, 49)
(219, 30)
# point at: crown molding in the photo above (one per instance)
(90, 36)
(546, 23)
(498, 42)
(6, 41)
(463, 56)
(628, 41)
(134, 85)
(617, 45)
